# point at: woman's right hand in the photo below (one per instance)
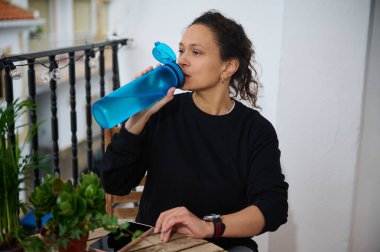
(136, 123)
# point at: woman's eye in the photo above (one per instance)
(180, 51)
(196, 52)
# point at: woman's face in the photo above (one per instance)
(199, 58)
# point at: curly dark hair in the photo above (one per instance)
(234, 43)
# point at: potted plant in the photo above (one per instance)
(76, 210)
(13, 165)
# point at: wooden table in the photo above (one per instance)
(177, 242)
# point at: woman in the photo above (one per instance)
(213, 164)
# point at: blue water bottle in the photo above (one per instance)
(140, 93)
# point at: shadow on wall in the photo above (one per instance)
(284, 239)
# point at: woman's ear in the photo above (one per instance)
(232, 65)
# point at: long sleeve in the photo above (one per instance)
(266, 186)
(122, 166)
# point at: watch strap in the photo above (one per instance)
(219, 228)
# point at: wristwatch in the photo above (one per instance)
(219, 226)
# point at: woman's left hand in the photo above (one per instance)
(182, 221)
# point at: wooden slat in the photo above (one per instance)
(109, 204)
(149, 241)
(142, 182)
(126, 213)
(130, 198)
(108, 133)
(137, 240)
(96, 234)
(153, 240)
(174, 245)
(209, 247)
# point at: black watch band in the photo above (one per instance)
(219, 226)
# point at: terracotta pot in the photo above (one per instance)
(76, 245)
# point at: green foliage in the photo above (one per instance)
(76, 210)
(13, 166)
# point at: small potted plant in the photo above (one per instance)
(13, 167)
(76, 210)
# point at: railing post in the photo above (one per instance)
(33, 118)
(54, 119)
(9, 99)
(88, 110)
(33, 121)
(115, 67)
(73, 119)
(102, 92)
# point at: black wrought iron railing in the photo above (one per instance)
(9, 63)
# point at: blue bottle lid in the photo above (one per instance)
(163, 53)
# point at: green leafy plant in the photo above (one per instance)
(13, 167)
(76, 210)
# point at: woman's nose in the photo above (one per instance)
(182, 60)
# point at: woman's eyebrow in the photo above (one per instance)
(191, 45)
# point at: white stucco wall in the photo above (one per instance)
(10, 38)
(365, 230)
(62, 34)
(319, 112)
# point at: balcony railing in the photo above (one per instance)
(9, 63)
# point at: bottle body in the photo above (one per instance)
(135, 96)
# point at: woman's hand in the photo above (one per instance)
(136, 123)
(182, 221)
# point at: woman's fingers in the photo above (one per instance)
(169, 221)
(136, 123)
(161, 225)
(158, 105)
(181, 220)
(148, 69)
(143, 72)
(165, 235)
(161, 219)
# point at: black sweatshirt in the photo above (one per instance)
(209, 164)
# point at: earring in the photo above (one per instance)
(221, 77)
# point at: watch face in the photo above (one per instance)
(211, 217)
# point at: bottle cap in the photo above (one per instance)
(163, 53)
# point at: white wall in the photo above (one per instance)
(62, 23)
(319, 112)
(10, 39)
(20, 3)
(366, 225)
(313, 58)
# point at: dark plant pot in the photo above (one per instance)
(17, 248)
